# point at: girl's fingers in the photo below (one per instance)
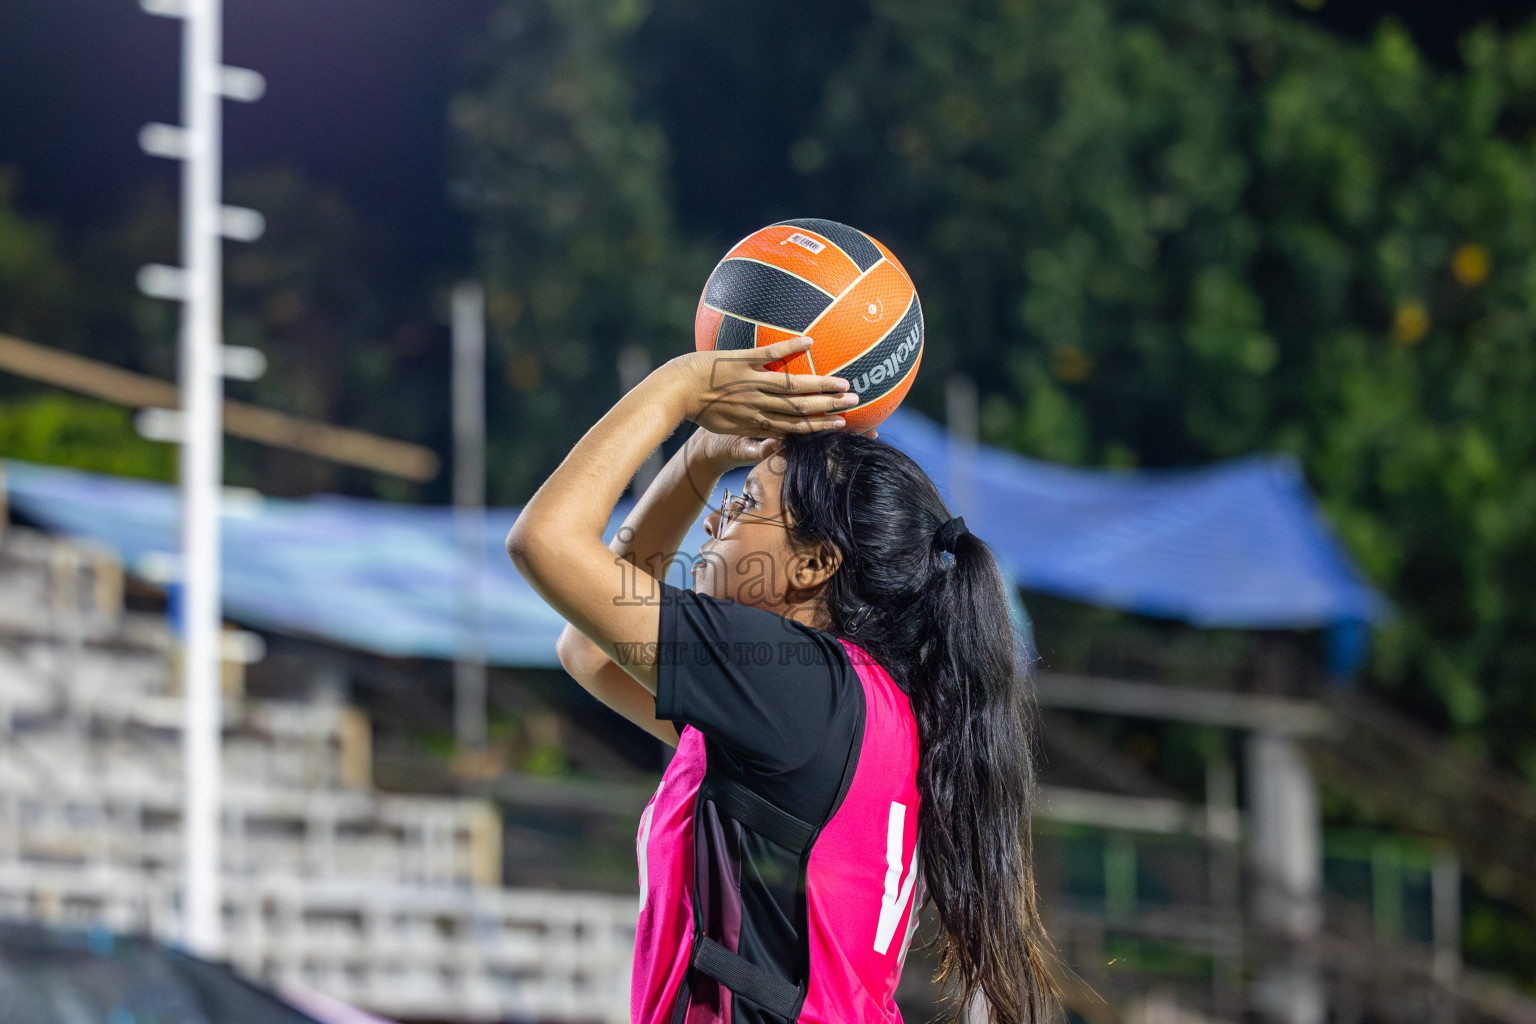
(767, 428)
(785, 425)
(761, 448)
(816, 424)
(815, 405)
(805, 403)
(809, 384)
(799, 382)
(781, 349)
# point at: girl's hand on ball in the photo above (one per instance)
(733, 393)
(720, 453)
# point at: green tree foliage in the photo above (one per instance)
(579, 247)
(1191, 230)
(1160, 234)
(1416, 420)
(343, 345)
(38, 303)
(317, 294)
(34, 283)
(1070, 181)
(63, 430)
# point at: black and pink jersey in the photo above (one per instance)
(778, 856)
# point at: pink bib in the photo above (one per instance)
(862, 874)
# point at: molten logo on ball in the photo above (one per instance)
(892, 367)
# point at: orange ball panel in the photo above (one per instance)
(830, 270)
(859, 319)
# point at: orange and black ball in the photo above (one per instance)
(832, 283)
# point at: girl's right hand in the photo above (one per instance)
(733, 393)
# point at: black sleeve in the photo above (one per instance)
(769, 690)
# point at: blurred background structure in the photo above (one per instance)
(1279, 255)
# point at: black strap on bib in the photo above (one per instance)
(757, 984)
(744, 978)
(758, 814)
(680, 1003)
(747, 980)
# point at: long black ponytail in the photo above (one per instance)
(938, 622)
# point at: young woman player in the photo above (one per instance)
(842, 689)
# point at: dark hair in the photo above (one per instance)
(939, 625)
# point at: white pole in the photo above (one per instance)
(202, 395)
(1445, 927)
(634, 366)
(198, 285)
(964, 422)
(469, 678)
(1286, 850)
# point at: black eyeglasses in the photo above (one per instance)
(736, 506)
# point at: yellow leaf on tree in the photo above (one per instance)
(1410, 323)
(1470, 265)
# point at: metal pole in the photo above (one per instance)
(634, 366)
(1223, 826)
(1286, 849)
(469, 676)
(964, 422)
(1445, 918)
(198, 285)
(202, 390)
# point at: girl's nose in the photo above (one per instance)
(712, 523)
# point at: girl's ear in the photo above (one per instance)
(815, 566)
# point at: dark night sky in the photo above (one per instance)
(356, 96)
(356, 92)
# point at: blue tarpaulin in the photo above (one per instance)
(1239, 544)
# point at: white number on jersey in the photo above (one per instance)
(898, 886)
(642, 848)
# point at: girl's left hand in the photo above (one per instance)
(732, 393)
(720, 453)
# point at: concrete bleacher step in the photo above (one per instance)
(325, 747)
(136, 823)
(60, 589)
(389, 901)
(120, 691)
